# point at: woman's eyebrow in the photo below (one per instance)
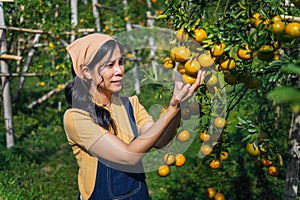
(118, 58)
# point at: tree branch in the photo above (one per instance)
(46, 96)
(11, 57)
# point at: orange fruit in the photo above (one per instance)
(206, 60)
(180, 54)
(192, 67)
(218, 50)
(254, 18)
(179, 160)
(230, 78)
(180, 68)
(252, 150)
(131, 55)
(276, 45)
(293, 29)
(266, 162)
(183, 136)
(200, 34)
(51, 45)
(206, 150)
(186, 78)
(168, 63)
(224, 155)
(210, 193)
(163, 170)
(204, 136)
(227, 64)
(276, 18)
(296, 3)
(257, 22)
(42, 83)
(278, 27)
(219, 196)
(252, 83)
(182, 35)
(214, 164)
(212, 80)
(273, 170)
(194, 107)
(244, 54)
(169, 159)
(185, 113)
(220, 122)
(266, 52)
(257, 19)
(244, 76)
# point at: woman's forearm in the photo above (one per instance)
(169, 132)
(158, 133)
(113, 149)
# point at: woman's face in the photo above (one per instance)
(110, 77)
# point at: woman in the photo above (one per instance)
(110, 135)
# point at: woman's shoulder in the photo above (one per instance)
(134, 99)
(74, 113)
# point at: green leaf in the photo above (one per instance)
(246, 138)
(241, 120)
(291, 68)
(284, 95)
(252, 130)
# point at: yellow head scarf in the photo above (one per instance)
(83, 50)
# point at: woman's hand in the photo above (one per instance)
(183, 92)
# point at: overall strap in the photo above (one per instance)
(130, 113)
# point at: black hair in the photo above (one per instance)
(77, 92)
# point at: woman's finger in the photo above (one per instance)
(199, 80)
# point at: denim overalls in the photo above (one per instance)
(114, 184)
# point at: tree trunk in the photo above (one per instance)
(135, 63)
(293, 164)
(150, 23)
(6, 85)
(74, 18)
(26, 67)
(96, 15)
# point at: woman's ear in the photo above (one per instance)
(86, 72)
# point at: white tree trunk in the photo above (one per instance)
(135, 64)
(96, 15)
(74, 17)
(26, 66)
(150, 23)
(6, 85)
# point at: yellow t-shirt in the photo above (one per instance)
(82, 132)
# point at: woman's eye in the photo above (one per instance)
(121, 62)
(110, 64)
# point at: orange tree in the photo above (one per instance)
(255, 54)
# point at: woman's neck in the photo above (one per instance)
(102, 99)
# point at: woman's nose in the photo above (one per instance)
(119, 69)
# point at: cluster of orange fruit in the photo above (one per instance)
(170, 159)
(254, 150)
(212, 194)
(277, 25)
(206, 148)
(189, 60)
